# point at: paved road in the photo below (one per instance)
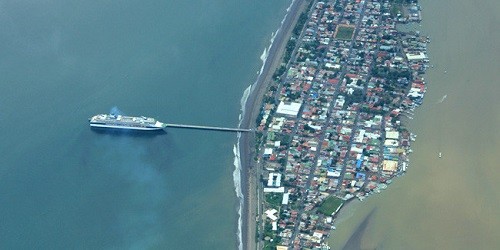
(322, 137)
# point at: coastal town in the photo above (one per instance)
(332, 123)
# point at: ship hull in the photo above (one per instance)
(108, 126)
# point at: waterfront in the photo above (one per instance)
(452, 202)
(64, 186)
(321, 140)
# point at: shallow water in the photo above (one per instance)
(450, 202)
(63, 186)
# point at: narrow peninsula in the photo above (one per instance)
(331, 122)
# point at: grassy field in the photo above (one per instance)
(330, 205)
(274, 199)
(344, 32)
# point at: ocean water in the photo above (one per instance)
(64, 186)
(450, 202)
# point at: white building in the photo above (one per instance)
(274, 180)
(274, 190)
(289, 108)
(416, 56)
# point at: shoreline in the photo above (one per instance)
(336, 120)
(250, 114)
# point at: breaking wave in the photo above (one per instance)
(236, 148)
(237, 168)
(239, 193)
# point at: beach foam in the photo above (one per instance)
(237, 187)
(236, 149)
(265, 53)
(237, 168)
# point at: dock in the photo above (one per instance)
(171, 125)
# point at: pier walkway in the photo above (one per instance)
(171, 125)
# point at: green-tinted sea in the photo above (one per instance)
(64, 186)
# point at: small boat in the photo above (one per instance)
(440, 155)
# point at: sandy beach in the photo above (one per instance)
(252, 108)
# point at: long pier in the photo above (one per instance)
(171, 125)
